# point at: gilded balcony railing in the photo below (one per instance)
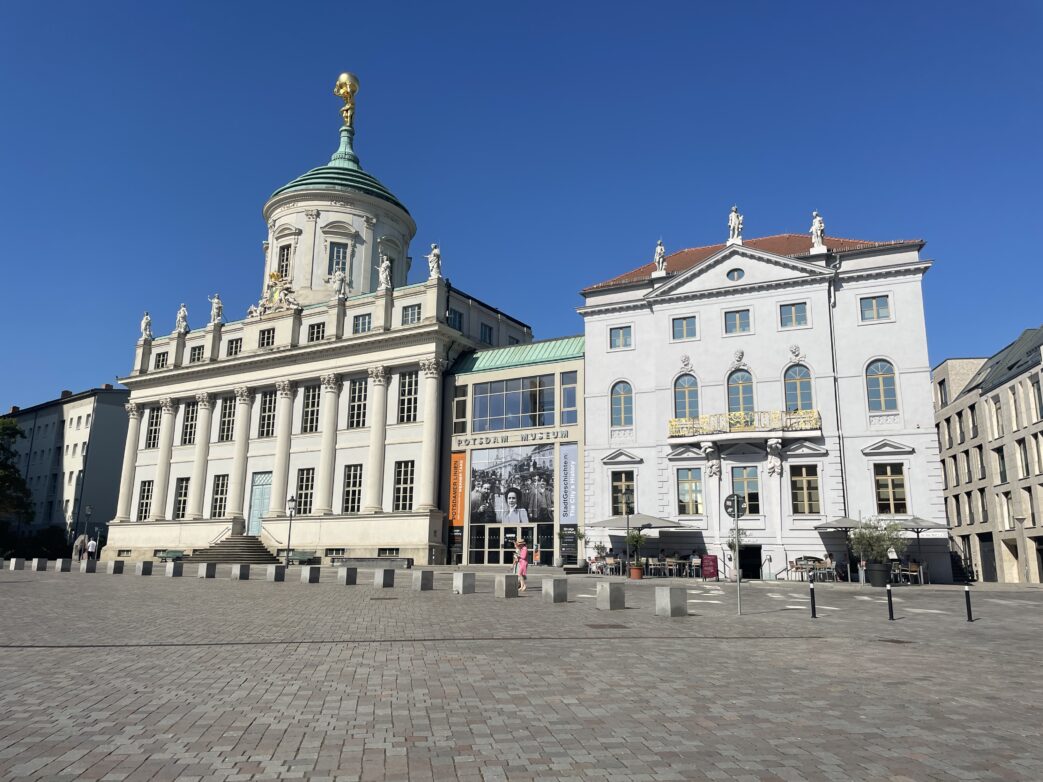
(754, 421)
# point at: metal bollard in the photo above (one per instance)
(811, 588)
(967, 597)
(890, 606)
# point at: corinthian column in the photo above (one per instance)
(328, 446)
(283, 422)
(427, 496)
(237, 479)
(197, 486)
(166, 440)
(373, 502)
(130, 458)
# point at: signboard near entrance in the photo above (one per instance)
(569, 542)
(709, 563)
(457, 484)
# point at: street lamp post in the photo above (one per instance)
(87, 525)
(291, 506)
(628, 499)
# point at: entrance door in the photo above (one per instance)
(260, 495)
(750, 561)
(987, 552)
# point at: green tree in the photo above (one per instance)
(15, 498)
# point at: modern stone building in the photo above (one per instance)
(790, 370)
(70, 457)
(989, 415)
(324, 401)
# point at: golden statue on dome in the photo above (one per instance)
(345, 88)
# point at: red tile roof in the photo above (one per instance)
(793, 245)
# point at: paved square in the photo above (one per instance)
(126, 677)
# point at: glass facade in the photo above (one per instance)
(513, 404)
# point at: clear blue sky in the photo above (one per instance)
(545, 146)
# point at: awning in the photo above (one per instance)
(843, 523)
(637, 520)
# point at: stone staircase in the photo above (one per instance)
(236, 549)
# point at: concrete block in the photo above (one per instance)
(609, 597)
(89, 566)
(1, 563)
(310, 574)
(276, 573)
(240, 572)
(347, 576)
(115, 567)
(555, 590)
(207, 570)
(17, 564)
(175, 569)
(463, 583)
(423, 580)
(39, 565)
(507, 586)
(144, 568)
(671, 601)
(62, 565)
(384, 578)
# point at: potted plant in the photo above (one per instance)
(872, 541)
(635, 541)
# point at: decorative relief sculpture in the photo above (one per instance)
(385, 273)
(378, 375)
(278, 296)
(242, 395)
(432, 367)
(133, 411)
(217, 309)
(686, 362)
(168, 404)
(284, 388)
(818, 233)
(312, 214)
(737, 362)
(204, 400)
(774, 456)
(146, 326)
(713, 459)
(734, 226)
(330, 382)
(434, 263)
(660, 257)
(795, 355)
(181, 323)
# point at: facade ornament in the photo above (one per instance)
(660, 257)
(734, 226)
(339, 282)
(312, 214)
(242, 395)
(284, 388)
(686, 362)
(432, 367)
(737, 361)
(370, 220)
(818, 233)
(181, 322)
(346, 87)
(133, 410)
(330, 382)
(774, 456)
(146, 326)
(217, 309)
(385, 273)
(278, 296)
(713, 459)
(795, 354)
(378, 375)
(168, 404)
(204, 400)
(434, 263)
(253, 311)
(271, 225)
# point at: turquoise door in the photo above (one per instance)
(260, 494)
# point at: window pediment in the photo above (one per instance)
(621, 457)
(685, 452)
(805, 448)
(887, 448)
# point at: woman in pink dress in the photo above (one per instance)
(521, 559)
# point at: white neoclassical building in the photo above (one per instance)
(328, 393)
(790, 370)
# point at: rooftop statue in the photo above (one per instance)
(818, 231)
(734, 226)
(660, 257)
(181, 323)
(434, 263)
(146, 326)
(385, 273)
(345, 88)
(217, 309)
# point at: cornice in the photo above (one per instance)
(900, 270)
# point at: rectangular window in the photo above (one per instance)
(804, 488)
(972, 411)
(316, 332)
(87, 421)
(195, 354)
(622, 492)
(266, 338)
(266, 419)
(519, 403)
(310, 409)
(188, 424)
(152, 428)
(1023, 459)
(410, 314)
(161, 363)
(387, 552)
(997, 417)
(1015, 410)
(226, 427)
(403, 496)
(943, 393)
(219, 499)
(569, 409)
(874, 308)
(971, 515)
(513, 341)
(959, 512)
(1001, 465)
(357, 392)
(737, 322)
(235, 347)
(620, 337)
(455, 320)
(180, 498)
(689, 491)
(408, 383)
(486, 334)
(980, 454)
(333, 552)
(305, 490)
(361, 324)
(984, 505)
(352, 488)
(683, 328)
(1037, 395)
(793, 315)
(890, 488)
(284, 261)
(144, 500)
(338, 258)
(955, 472)
(460, 410)
(746, 484)
(961, 433)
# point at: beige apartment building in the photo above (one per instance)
(989, 418)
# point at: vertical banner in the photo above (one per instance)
(568, 483)
(457, 479)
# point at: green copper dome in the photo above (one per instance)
(343, 172)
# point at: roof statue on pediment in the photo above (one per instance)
(734, 226)
(434, 263)
(146, 326)
(217, 309)
(181, 322)
(278, 296)
(818, 233)
(660, 257)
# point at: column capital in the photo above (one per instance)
(133, 410)
(378, 375)
(284, 388)
(204, 400)
(330, 382)
(432, 367)
(243, 394)
(169, 404)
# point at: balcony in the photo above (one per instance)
(767, 423)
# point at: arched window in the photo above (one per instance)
(880, 387)
(686, 397)
(798, 388)
(740, 392)
(622, 404)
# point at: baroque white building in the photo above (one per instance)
(791, 370)
(329, 392)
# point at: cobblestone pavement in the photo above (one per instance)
(127, 677)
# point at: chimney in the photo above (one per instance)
(107, 386)
(15, 409)
(66, 393)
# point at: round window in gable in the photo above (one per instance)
(736, 274)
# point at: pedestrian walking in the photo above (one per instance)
(521, 559)
(536, 554)
(78, 547)
(92, 548)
